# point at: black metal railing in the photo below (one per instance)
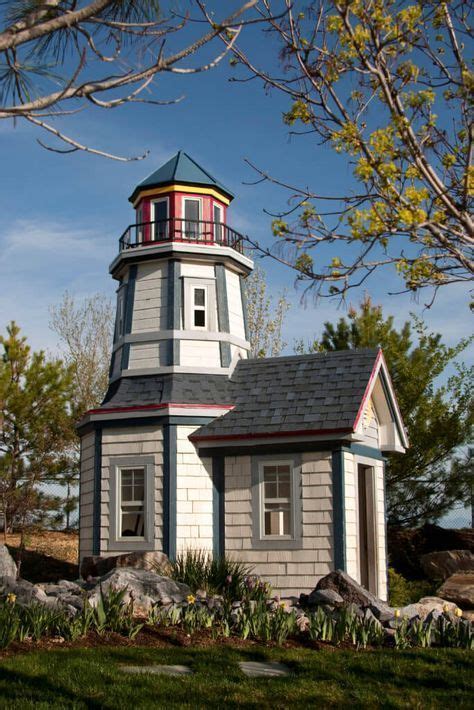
(177, 229)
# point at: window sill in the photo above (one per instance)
(277, 543)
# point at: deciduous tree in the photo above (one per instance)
(388, 84)
(265, 316)
(434, 473)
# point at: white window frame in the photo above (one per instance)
(190, 285)
(220, 224)
(262, 466)
(260, 541)
(122, 504)
(183, 222)
(139, 220)
(152, 217)
(116, 541)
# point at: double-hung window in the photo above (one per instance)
(199, 307)
(132, 502)
(277, 499)
(200, 311)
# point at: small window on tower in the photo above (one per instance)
(199, 307)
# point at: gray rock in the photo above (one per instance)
(61, 588)
(143, 586)
(25, 592)
(97, 566)
(351, 591)
(459, 588)
(8, 567)
(383, 615)
(368, 615)
(441, 565)
(324, 596)
(410, 611)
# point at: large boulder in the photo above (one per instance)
(8, 567)
(441, 565)
(144, 587)
(353, 593)
(459, 588)
(97, 566)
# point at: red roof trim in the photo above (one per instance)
(272, 434)
(368, 388)
(163, 405)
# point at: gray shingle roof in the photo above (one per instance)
(307, 393)
(294, 394)
(177, 388)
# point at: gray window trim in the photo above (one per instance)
(258, 541)
(115, 542)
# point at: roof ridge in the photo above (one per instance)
(209, 175)
(308, 356)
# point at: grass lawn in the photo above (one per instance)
(90, 678)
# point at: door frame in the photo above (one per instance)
(371, 520)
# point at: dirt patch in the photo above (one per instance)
(49, 555)
(158, 637)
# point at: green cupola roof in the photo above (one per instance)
(181, 168)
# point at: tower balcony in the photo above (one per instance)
(175, 229)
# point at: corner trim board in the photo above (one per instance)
(338, 480)
(218, 514)
(130, 298)
(222, 313)
(169, 489)
(97, 492)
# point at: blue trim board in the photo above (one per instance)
(129, 299)
(96, 503)
(338, 509)
(125, 356)
(222, 313)
(169, 489)
(385, 519)
(174, 308)
(243, 296)
(218, 493)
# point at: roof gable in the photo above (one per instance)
(181, 168)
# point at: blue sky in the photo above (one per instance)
(62, 215)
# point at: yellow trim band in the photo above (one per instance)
(182, 188)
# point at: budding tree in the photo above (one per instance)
(265, 317)
(388, 84)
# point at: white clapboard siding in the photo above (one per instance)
(200, 353)
(234, 300)
(194, 495)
